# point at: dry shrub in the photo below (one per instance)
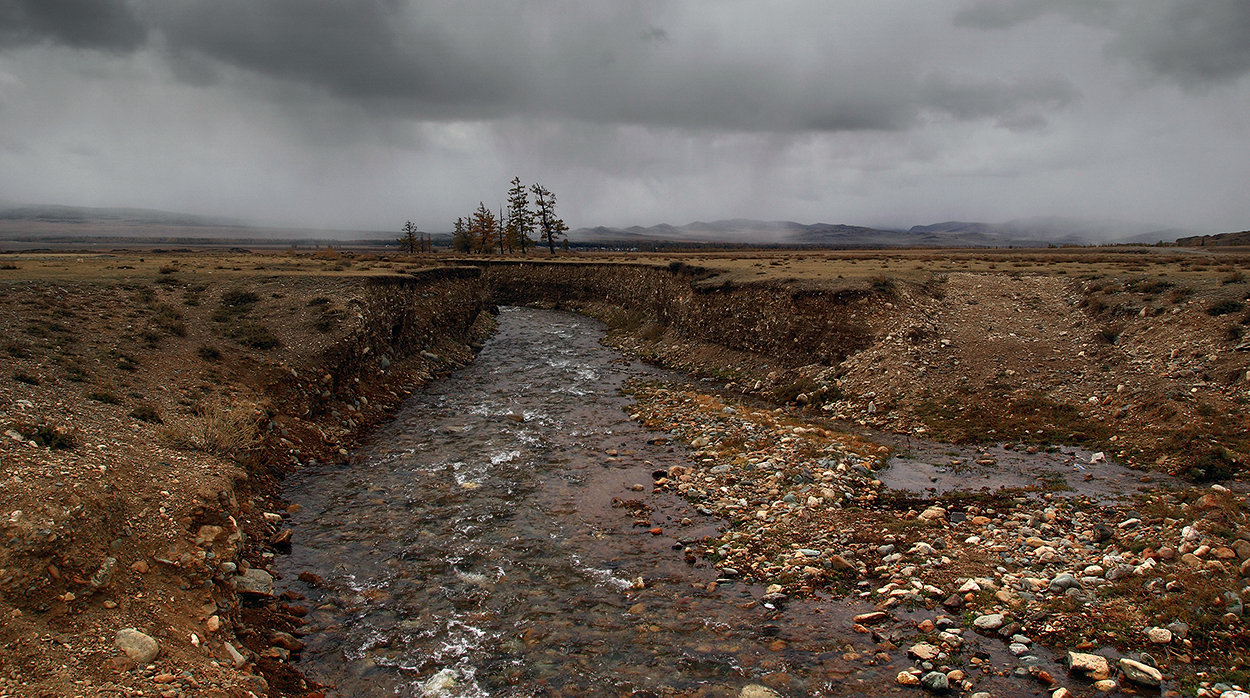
(218, 427)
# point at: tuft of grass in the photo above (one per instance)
(884, 285)
(146, 413)
(1224, 307)
(254, 335)
(170, 320)
(239, 298)
(218, 427)
(104, 396)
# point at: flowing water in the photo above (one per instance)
(472, 548)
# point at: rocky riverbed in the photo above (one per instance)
(1152, 583)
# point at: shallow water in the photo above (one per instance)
(472, 548)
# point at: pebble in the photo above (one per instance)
(1141, 674)
(935, 681)
(1159, 636)
(906, 678)
(755, 690)
(923, 651)
(139, 647)
(1093, 666)
(254, 581)
(988, 622)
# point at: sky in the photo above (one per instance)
(362, 114)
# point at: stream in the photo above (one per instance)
(472, 548)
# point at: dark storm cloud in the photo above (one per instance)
(1195, 43)
(613, 64)
(93, 24)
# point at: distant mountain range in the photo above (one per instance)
(35, 222)
(1025, 232)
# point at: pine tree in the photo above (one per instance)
(551, 227)
(409, 239)
(520, 217)
(462, 241)
(482, 226)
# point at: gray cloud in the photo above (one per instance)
(357, 113)
(108, 25)
(1194, 43)
(614, 64)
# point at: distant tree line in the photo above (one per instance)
(484, 232)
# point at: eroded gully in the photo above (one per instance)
(472, 548)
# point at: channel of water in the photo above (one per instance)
(471, 548)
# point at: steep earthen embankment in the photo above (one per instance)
(742, 332)
(146, 438)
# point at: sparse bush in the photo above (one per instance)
(168, 269)
(218, 427)
(208, 353)
(104, 396)
(1180, 294)
(1224, 307)
(1234, 277)
(146, 413)
(26, 378)
(328, 253)
(884, 285)
(15, 350)
(319, 301)
(254, 335)
(239, 298)
(170, 320)
(8, 265)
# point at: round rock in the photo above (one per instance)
(935, 681)
(991, 621)
(141, 648)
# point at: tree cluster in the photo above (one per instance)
(508, 232)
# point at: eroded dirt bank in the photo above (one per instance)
(148, 424)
